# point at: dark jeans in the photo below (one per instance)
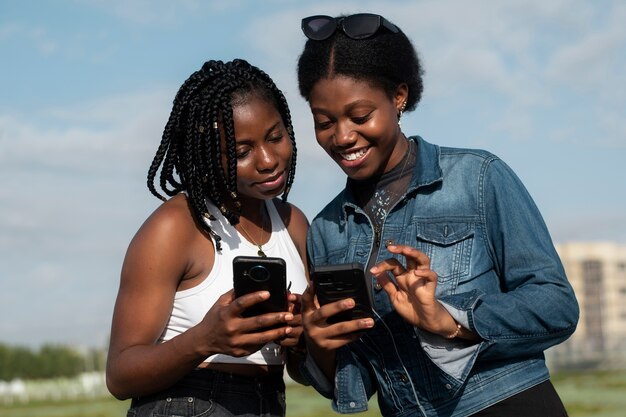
(204, 393)
(539, 401)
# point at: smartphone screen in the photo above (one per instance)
(253, 273)
(341, 281)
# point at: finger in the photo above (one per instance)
(387, 284)
(287, 342)
(264, 337)
(336, 335)
(248, 300)
(293, 338)
(296, 321)
(307, 300)
(295, 298)
(326, 311)
(416, 259)
(318, 321)
(263, 321)
(427, 274)
(295, 303)
(388, 265)
(333, 344)
(403, 280)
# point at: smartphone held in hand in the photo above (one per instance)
(338, 282)
(253, 273)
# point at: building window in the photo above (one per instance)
(593, 303)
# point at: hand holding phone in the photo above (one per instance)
(253, 273)
(338, 282)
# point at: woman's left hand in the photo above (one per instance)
(413, 293)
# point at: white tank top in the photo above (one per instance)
(191, 305)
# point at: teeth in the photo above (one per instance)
(354, 155)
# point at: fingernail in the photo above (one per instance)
(367, 323)
(349, 303)
(288, 316)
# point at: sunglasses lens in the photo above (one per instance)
(361, 26)
(319, 28)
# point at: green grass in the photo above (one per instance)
(101, 407)
(585, 394)
(597, 394)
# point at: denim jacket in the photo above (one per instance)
(498, 274)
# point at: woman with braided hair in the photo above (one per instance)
(179, 343)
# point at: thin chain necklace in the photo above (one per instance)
(243, 229)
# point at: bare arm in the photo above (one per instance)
(168, 252)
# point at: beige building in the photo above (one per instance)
(597, 271)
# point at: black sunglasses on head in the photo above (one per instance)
(356, 26)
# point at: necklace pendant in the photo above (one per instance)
(261, 253)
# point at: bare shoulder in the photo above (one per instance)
(170, 222)
(291, 215)
(164, 242)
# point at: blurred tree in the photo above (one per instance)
(50, 361)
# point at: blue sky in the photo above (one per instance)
(87, 86)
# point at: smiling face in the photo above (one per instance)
(263, 149)
(357, 125)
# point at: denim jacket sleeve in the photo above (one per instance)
(536, 308)
(352, 380)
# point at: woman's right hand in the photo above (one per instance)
(322, 335)
(322, 338)
(226, 331)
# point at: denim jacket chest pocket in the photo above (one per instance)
(448, 245)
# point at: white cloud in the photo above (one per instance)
(89, 138)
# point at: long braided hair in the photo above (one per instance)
(189, 156)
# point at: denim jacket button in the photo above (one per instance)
(448, 386)
(378, 287)
(404, 378)
(389, 242)
(352, 404)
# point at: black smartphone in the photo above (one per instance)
(253, 273)
(341, 281)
